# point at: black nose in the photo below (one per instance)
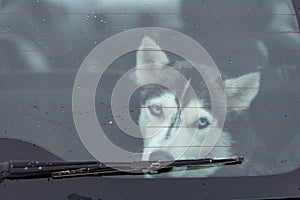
(161, 156)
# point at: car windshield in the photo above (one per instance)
(154, 80)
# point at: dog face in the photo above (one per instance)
(173, 131)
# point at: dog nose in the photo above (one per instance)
(160, 156)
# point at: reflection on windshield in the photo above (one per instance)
(254, 45)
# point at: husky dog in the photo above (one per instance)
(160, 108)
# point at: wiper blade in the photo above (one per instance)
(55, 170)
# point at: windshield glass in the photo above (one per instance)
(154, 80)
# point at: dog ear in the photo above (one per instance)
(149, 52)
(242, 90)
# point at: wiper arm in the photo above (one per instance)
(55, 170)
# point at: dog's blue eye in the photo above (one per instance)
(202, 123)
(155, 110)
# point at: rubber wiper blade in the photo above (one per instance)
(60, 169)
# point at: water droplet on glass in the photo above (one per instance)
(87, 17)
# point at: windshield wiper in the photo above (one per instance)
(60, 169)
